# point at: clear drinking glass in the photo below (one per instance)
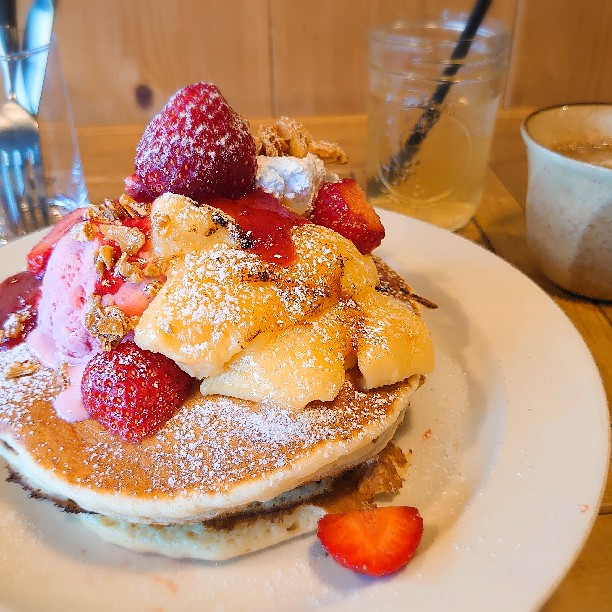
(440, 180)
(47, 101)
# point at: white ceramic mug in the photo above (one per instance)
(569, 202)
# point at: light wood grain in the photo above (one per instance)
(272, 57)
(561, 53)
(110, 48)
(320, 65)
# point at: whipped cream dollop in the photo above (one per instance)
(293, 180)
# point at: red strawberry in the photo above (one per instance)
(135, 189)
(39, 255)
(376, 542)
(343, 207)
(133, 392)
(196, 146)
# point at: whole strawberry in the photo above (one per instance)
(343, 207)
(196, 146)
(133, 392)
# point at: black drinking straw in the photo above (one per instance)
(396, 169)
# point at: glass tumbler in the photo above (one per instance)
(54, 179)
(431, 117)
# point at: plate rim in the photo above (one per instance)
(397, 223)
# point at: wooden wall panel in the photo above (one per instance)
(320, 48)
(111, 49)
(562, 52)
(123, 58)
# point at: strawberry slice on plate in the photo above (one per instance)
(376, 541)
(40, 253)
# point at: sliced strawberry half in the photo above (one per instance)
(377, 541)
(39, 255)
(343, 207)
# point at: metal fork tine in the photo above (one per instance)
(18, 182)
(34, 202)
(10, 202)
(23, 189)
(15, 172)
(40, 187)
(6, 194)
(27, 205)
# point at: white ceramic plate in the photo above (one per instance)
(510, 451)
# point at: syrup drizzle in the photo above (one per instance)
(19, 294)
(267, 222)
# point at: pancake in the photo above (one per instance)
(217, 457)
(222, 539)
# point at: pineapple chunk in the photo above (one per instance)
(302, 363)
(393, 342)
(180, 225)
(216, 301)
(334, 259)
(212, 304)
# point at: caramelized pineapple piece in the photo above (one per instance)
(331, 261)
(179, 225)
(218, 300)
(392, 341)
(212, 304)
(300, 364)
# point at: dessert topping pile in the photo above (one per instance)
(198, 262)
(219, 262)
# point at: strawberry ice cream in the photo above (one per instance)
(60, 335)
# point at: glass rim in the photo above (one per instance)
(411, 34)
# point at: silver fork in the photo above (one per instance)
(23, 193)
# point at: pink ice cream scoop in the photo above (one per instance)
(60, 335)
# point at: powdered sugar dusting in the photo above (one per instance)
(19, 394)
(218, 300)
(209, 446)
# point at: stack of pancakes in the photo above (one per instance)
(224, 476)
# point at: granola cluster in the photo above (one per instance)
(289, 137)
(118, 210)
(14, 324)
(107, 322)
(17, 369)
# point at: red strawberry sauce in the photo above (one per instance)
(267, 222)
(17, 293)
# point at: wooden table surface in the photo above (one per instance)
(499, 226)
